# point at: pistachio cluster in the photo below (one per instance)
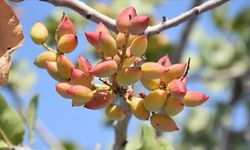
(121, 67)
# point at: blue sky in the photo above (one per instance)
(78, 124)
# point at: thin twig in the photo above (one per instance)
(186, 69)
(96, 16)
(86, 11)
(208, 5)
(105, 82)
(121, 129)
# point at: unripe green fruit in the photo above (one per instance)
(80, 94)
(139, 46)
(101, 99)
(67, 43)
(52, 70)
(138, 108)
(150, 84)
(62, 88)
(153, 70)
(173, 106)
(39, 33)
(163, 123)
(128, 76)
(64, 66)
(115, 112)
(45, 56)
(155, 100)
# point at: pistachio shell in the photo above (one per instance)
(80, 78)
(165, 61)
(150, 84)
(115, 112)
(138, 25)
(39, 33)
(123, 19)
(139, 46)
(128, 76)
(177, 88)
(45, 56)
(52, 70)
(104, 69)
(62, 88)
(155, 100)
(80, 94)
(173, 106)
(153, 70)
(138, 109)
(163, 123)
(194, 98)
(175, 72)
(84, 65)
(64, 66)
(66, 26)
(67, 43)
(101, 99)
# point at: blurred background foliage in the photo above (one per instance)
(220, 62)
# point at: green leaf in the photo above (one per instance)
(3, 145)
(221, 17)
(147, 138)
(31, 116)
(11, 125)
(241, 21)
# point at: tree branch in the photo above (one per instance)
(210, 4)
(96, 16)
(85, 11)
(121, 133)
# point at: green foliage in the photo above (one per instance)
(11, 125)
(221, 18)
(22, 78)
(241, 21)
(68, 145)
(31, 116)
(146, 140)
